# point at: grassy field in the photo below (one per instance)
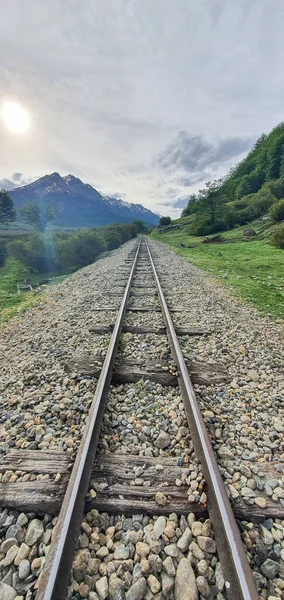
(252, 268)
(12, 301)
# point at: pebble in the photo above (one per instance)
(24, 569)
(163, 440)
(184, 540)
(120, 553)
(34, 532)
(137, 590)
(116, 589)
(102, 552)
(167, 583)
(270, 568)
(102, 588)
(7, 592)
(171, 550)
(159, 527)
(169, 566)
(142, 549)
(203, 586)
(261, 502)
(185, 583)
(206, 544)
(161, 499)
(153, 584)
(265, 535)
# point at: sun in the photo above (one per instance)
(15, 117)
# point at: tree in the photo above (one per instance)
(7, 209)
(3, 252)
(38, 215)
(164, 221)
(277, 211)
(191, 207)
(140, 227)
(112, 237)
(277, 238)
(31, 252)
(274, 158)
(79, 250)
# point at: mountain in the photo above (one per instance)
(78, 204)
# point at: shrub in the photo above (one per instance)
(277, 239)
(139, 225)
(79, 250)
(3, 253)
(112, 238)
(164, 221)
(32, 252)
(7, 208)
(263, 201)
(277, 211)
(201, 225)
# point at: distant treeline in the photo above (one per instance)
(251, 189)
(67, 251)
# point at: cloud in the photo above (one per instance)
(181, 202)
(15, 180)
(195, 154)
(139, 96)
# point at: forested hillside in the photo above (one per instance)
(248, 192)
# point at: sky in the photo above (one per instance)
(143, 99)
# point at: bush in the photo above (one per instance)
(7, 208)
(79, 250)
(33, 252)
(243, 216)
(139, 225)
(263, 201)
(277, 211)
(277, 239)
(164, 221)
(3, 253)
(201, 225)
(68, 251)
(112, 238)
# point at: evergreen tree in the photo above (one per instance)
(7, 209)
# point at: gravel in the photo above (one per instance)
(146, 557)
(245, 416)
(44, 408)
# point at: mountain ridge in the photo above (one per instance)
(79, 204)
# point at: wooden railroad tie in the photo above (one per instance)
(149, 308)
(159, 371)
(111, 478)
(139, 329)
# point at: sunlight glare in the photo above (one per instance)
(15, 117)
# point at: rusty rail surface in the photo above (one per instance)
(239, 581)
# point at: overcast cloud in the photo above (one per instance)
(147, 99)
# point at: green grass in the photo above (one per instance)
(12, 301)
(253, 269)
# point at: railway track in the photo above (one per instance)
(139, 277)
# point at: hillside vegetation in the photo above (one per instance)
(250, 266)
(251, 189)
(234, 228)
(32, 257)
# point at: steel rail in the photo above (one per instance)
(239, 581)
(53, 582)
